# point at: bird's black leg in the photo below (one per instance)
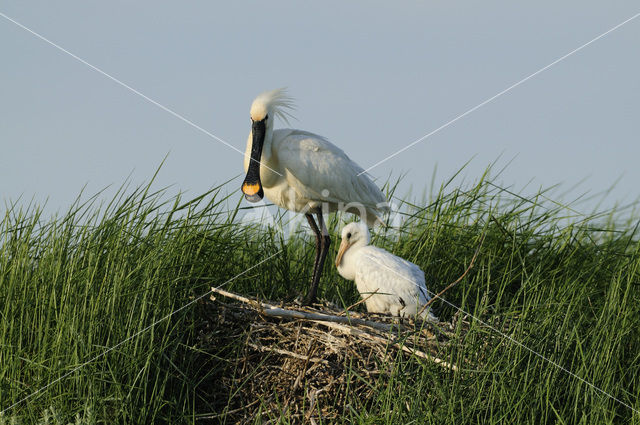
(316, 231)
(323, 241)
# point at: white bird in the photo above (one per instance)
(304, 172)
(388, 283)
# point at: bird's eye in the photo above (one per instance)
(348, 235)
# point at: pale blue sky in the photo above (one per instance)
(370, 76)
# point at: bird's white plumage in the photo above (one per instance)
(398, 286)
(301, 171)
(278, 102)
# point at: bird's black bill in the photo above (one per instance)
(252, 186)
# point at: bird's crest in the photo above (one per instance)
(275, 102)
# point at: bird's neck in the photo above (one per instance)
(347, 268)
(359, 244)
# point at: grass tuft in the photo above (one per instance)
(565, 285)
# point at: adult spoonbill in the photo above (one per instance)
(304, 172)
(388, 283)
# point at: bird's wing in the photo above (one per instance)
(389, 274)
(314, 166)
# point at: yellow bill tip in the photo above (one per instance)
(252, 192)
(250, 189)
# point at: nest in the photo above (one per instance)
(298, 362)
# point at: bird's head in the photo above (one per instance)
(355, 233)
(264, 109)
(271, 104)
(259, 110)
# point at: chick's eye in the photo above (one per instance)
(348, 235)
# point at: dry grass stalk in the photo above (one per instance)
(455, 282)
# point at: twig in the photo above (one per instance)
(422, 354)
(429, 357)
(295, 314)
(305, 368)
(287, 353)
(273, 311)
(349, 330)
(361, 301)
(238, 297)
(454, 283)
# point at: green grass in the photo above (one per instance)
(71, 287)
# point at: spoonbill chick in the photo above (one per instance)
(303, 172)
(388, 283)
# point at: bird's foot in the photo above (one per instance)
(308, 302)
(305, 300)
